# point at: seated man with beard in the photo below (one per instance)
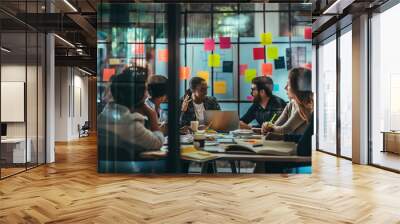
(265, 104)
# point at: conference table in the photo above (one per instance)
(218, 150)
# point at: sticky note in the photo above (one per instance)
(114, 61)
(107, 73)
(209, 44)
(224, 42)
(138, 48)
(250, 98)
(276, 88)
(220, 87)
(243, 68)
(280, 63)
(249, 75)
(163, 55)
(266, 69)
(214, 60)
(204, 75)
(266, 38)
(227, 66)
(184, 72)
(272, 52)
(307, 33)
(258, 53)
(308, 66)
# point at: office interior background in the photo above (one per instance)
(50, 72)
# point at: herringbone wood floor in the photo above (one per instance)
(71, 191)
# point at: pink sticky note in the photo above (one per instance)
(308, 33)
(224, 42)
(258, 53)
(243, 68)
(308, 66)
(250, 98)
(209, 44)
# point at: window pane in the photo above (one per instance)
(327, 97)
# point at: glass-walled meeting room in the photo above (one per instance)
(222, 48)
(22, 94)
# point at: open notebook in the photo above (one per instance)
(280, 148)
(191, 153)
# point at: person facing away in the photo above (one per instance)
(265, 105)
(157, 88)
(196, 102)
(298, 113)
(125, 116)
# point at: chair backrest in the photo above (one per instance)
(304, 145)
(112, 148)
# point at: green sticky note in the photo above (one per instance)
(249, 75)
(272, 52)
(214, 60)
(266, 38)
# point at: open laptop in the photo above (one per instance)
(222, 121)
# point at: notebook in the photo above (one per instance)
(279, 148)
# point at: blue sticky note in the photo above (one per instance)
(276, 87)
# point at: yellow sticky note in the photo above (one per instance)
(220, 87)
(203, 74)
(114, 61)
(272, 52)
(249, 75)
(214, 60)
(266, 38)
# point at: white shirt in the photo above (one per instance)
(117, 119)
(200, 111)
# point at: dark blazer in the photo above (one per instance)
(210, 103)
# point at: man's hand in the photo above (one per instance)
(185, 103)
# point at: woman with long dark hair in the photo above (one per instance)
(298, 113)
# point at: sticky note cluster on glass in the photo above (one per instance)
(249, 75)
(108, 73)
(163, 55)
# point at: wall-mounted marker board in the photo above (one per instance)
(12, 101)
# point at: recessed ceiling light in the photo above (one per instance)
(5, 50)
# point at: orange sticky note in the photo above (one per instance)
(266, 69)
(184, 72)
(204, 75)
(107, 73)
(243, 68)
(138, 48)
(163, 55)
(220, 87)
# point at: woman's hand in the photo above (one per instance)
(185, 103)
(267, 127)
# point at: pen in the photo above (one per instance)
(273, 118)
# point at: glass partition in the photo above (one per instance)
(224, 45)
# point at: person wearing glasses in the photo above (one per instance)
(266, 106)
(196, 102)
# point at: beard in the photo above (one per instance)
(256, 99)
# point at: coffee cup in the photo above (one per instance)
(199, 140)
(194, 126)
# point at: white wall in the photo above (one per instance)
(71, 102)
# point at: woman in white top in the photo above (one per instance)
(297, 114)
